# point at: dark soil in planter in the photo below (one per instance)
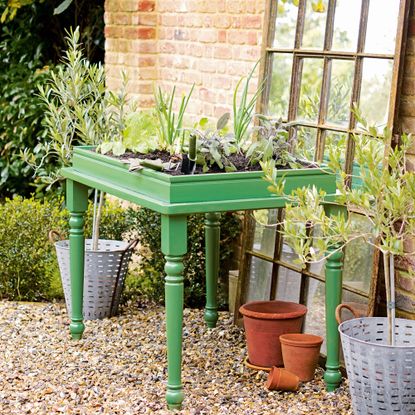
(239, 161)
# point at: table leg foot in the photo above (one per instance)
(174, 397)
(77, 329)
(332, 378)
(211, 317)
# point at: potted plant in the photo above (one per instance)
(378, 351)
(79, 110)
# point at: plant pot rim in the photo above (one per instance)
(301, 339)
(64, 245)
(253, 310)
(254, 367)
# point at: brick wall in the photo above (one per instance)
(210, 43)
(405, 274)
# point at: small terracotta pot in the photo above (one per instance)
(300, 353)
(264, 322)
(282, 379)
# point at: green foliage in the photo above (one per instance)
(150, 278)
(28, 266)
(30, 44)
(272, 142)
(215, 146)
(140, 134)
(21, 111)
(169, 123)
(243, 110)
(27, 259)
(79, 110)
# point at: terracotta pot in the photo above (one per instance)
(282, 379)
(300, 353)
(264, 322)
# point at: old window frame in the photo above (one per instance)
(327, 55)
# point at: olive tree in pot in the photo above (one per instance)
(79, 110)
(379, 352)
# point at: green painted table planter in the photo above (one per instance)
(175, 197)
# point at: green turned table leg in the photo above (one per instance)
(174, 246)
(334, 266)
(212, 239)
(77, 202)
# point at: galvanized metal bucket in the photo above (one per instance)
(104, 275)
(381, 377)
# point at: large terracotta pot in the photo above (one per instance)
(264, 322)
(300, 353)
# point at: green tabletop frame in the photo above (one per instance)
(175, 197)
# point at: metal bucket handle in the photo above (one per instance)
(339, 309)
(54, 236)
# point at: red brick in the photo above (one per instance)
(144, 46)
(147, 19)
(408, 86)
(252, 22)
(146, 6)
(219, 110)
(221, 82)
(406, 281)
(114, 32)
(208, 36)
(222, 52)
(411, 27)
(140, 32)
(222, 36)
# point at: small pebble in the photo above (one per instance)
(119, 367)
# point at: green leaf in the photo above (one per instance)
(223, 120)
(203, 122)
(62, 7)
(118, 148)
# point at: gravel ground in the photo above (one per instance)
(119, 367)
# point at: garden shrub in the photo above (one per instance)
(21, 110)
(149, 278)
(27, 260)
(30, 43)
(28, 266)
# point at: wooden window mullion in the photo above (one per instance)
(357, 84)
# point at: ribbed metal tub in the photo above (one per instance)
(105, 272)
(381, 377)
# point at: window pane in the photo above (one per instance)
(264, 237)
(340, 95)
(310, 89)
(315, 321)
(279, 96)
(315, 24)
(346, 25)
(285, 25)
(376, 85)
(288, 255)
(381, 27)
(305, 143)
(288, 285)
(259, 284)
(358, 259)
